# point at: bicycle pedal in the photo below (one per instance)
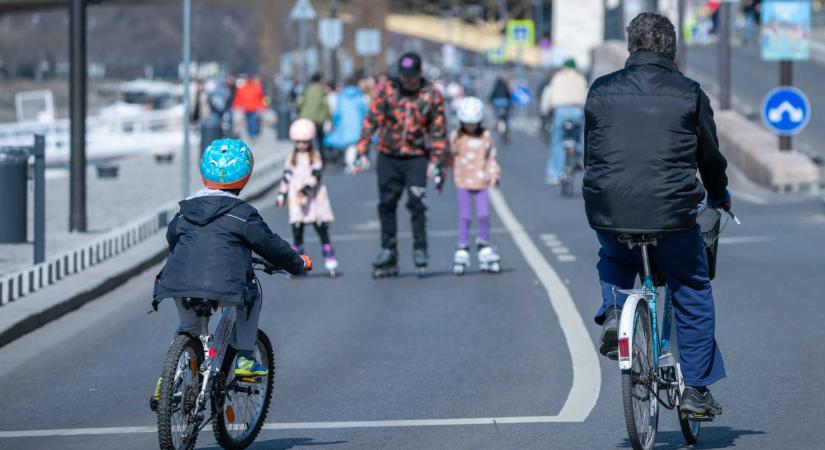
(613, 356)
(699, 417)
(248, 379)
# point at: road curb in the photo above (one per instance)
(36, 309)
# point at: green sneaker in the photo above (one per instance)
(155, 398)
(245, 367)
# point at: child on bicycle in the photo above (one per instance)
(211, 241)
(475, 171)
(302, 190)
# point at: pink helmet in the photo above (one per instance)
(302, 130)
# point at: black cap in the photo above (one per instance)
(409, 64)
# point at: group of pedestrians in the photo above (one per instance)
(649, 131)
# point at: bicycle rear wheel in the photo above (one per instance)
(639, 387)
(179, 388)
(240, 405)
(690, 427)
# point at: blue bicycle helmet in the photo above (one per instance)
(226, 164)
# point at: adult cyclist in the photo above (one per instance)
(502, 100)
(648, 129)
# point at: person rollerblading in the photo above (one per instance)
(488, 259)
(420, 260)
(461, 260)
(330, 263)
(385, 264)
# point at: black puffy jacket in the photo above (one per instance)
(211, 241)
(648, 129)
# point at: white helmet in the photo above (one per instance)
(470, 110)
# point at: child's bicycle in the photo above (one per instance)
(649, 362)
(198, 373)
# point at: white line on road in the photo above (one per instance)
(586, 371)
(745, 239)
(299, 426)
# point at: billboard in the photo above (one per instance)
(786, 30)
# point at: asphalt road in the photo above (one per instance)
(442, 348)
(752, 78)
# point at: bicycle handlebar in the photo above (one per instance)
(268, 268)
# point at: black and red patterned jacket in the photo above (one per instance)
(408, 125)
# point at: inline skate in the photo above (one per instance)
(385, 264)
(420, 260)
(488, 258)
(330, 263)
(461, 260)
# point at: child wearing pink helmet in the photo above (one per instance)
(301, 190)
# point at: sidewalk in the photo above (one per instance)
(142, 187)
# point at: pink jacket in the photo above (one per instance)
(474, 161)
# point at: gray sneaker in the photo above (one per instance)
(699, 402)
(609, 346)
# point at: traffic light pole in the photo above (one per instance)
(786, 79)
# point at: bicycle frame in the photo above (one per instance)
(662, 355)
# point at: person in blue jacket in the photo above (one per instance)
(347, 119)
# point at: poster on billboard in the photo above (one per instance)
(786, 30)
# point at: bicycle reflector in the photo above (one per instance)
(624, 348)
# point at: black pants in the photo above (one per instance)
(395, 175)
(298, 233)
(319, 137)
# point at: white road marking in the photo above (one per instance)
(560, 250)
(750, 198)
(299, 426)
(586, 371)
(567, 258)
(745, 239)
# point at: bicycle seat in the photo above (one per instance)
(201, 306)
(638, 239)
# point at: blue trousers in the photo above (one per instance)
(561, 114)
(253, 124)
(682, 261)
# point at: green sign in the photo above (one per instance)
(521, 33)
(497, 55)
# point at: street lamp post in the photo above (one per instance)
(724, 55)
(77, 115)
(187, 44)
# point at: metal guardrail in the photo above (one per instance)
(31, 279)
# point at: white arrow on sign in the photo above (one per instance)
(302, 10)
(795, 114)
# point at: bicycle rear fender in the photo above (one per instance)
(626, 330)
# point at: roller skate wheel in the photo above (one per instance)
(458, 269)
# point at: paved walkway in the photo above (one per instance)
(142, 186)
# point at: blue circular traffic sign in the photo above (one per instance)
(786, 110)
(522, 96)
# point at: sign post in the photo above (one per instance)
(331, 34)
(368, 44)
(302, 12)
(786, 30)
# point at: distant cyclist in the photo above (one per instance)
(502, 100)
(648, 130)
(563, 99)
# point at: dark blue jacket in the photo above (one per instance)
(211, 241)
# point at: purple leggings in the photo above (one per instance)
(465, 215)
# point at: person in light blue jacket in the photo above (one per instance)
(347, 119)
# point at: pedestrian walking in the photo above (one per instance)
(313, 105)
(409, 112)
(475, 172)
(251, 100)
(302, 191)
(351, 108)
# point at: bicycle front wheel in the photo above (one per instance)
(241, 404)
(179, 388)
(639, 387)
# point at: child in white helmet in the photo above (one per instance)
(475, 171)
(302, 191)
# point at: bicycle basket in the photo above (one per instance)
(709, 221)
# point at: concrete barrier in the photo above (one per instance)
(747, 145)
